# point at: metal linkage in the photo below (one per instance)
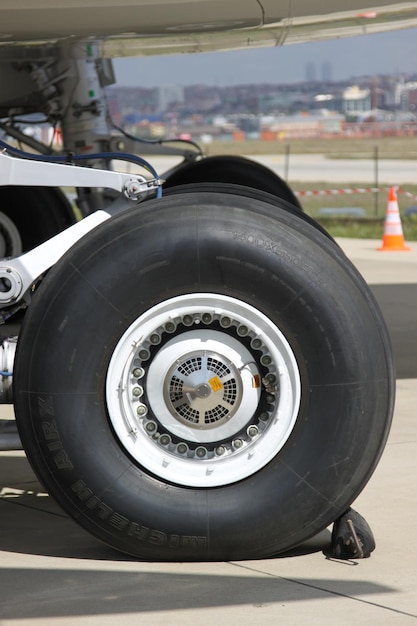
(18, 171)
(19, 274)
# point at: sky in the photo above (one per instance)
(384, 53)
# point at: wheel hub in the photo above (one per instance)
(208, 381)
(203, 390)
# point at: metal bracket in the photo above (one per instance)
(15, 171)
(19, 274)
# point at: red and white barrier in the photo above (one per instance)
(335, 192)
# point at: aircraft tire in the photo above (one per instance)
(249, 192)
(205, 377)
(236, 170)
(38, 213)
(10, 241)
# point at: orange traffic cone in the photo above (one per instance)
(393, 239)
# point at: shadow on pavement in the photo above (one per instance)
(56, 593)
(398, 304)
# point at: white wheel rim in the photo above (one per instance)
(203, 390)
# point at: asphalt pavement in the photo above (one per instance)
(53, 572)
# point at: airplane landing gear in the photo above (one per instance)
(204, 377)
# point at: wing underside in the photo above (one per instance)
(151, 27)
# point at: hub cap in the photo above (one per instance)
(203, 390)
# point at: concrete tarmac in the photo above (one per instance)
(53, 572)
(319, 167)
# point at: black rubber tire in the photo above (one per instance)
(241, 248)
(38, 213)
(248, 192)
(10, 240)
(236, 170)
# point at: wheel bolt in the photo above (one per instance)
(155, 339)
(238, 443)
(242, 330)
(141, 410)
(137, 391)
(206, 318)
(256, 343)
(144, 354)
(187, 320)
(164, 440)
(182, 448)
(225, 322)
(138, 372)
(170, 327)
(151, 427)
(266, 359)
(200, 452)
(220, 450)
(253, 431)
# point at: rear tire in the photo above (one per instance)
(10, 241)
(38, 213)
(206, 378)
(235, 170)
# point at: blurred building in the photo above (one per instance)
(406, 95)
(356, 100)
(169, 95)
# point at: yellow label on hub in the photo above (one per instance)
(215, 383)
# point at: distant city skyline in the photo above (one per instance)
(341, 59)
